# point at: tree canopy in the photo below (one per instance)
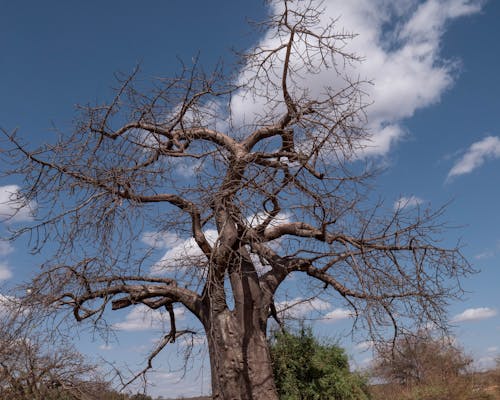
(278, 187)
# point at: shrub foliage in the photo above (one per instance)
(307, 369)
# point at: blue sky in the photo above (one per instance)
(435, 120)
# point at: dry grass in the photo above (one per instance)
(474, 386)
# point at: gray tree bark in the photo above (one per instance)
(239, 359)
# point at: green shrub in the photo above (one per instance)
(305, 369)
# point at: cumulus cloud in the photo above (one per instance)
(476, 155)
(407, 202)
(13, 206)
(185, 252)
(366, 345)
(475, 314)
(142, 318)
(187, 168)
(160, 240)
(259, 218)
(337, 315)
(300, 308)
(399, 43)
(182, 253)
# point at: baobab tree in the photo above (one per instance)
(278, 188)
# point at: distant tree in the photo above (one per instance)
(140, 396)
(423, 367)
(305, 369)
(35, 365)
(420, 358)
(280, 191)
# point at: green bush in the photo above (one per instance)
(305, 369)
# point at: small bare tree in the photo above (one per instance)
(278, 188)
(420, 359)
(35, 365)
(425, 366)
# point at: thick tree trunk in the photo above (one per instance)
(239, 360)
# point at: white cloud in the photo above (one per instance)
(428, 21)
(180, 385)
(476, 155)
(5, 272)
(142, 318)
(161, 239)
(13, 207)
(337, 315)
(259, 218)
(489, 252)
(187, 168)
(399, 43)
(8, 303)
(183, 253)
(260, 267)
(300, 307)
(366, 345)
(484, 255)
(105, 347)
(484, 363)
(407, 202)
(475, 314)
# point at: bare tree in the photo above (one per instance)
(279, 188)
(425, 366)
(37, 365)
(419, 359)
